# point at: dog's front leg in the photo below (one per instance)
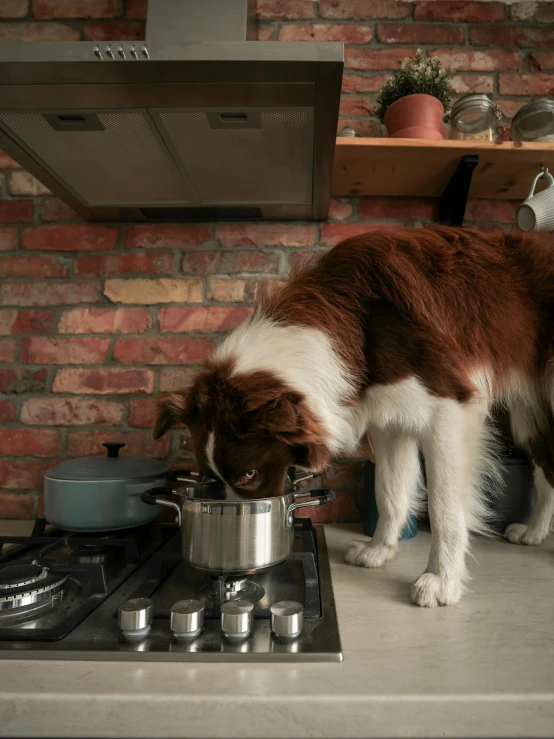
(396, 484)
(448, 486)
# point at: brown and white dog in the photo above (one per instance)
(410, 336)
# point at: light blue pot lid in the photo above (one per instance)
(107, 468)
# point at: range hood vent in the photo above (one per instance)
(166, 130)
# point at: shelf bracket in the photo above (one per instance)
(452, 203)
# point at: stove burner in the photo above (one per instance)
(25, 586)
(14, 576)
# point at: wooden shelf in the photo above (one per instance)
(420, 168)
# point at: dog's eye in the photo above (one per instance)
(251, 475)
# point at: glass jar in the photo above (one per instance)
(474, 117)
(534, 122)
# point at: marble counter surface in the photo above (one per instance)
(484, 668)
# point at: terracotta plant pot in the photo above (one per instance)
(415, 117)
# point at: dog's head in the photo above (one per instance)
(247, 429)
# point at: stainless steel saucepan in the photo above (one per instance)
(235, 536)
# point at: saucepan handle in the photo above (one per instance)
(152, 497)
(321, 498)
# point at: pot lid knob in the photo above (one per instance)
(187, 619)
(287, 618)
(135, 618)
(236, 619)
(113, 448)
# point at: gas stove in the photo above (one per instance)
(121, 596)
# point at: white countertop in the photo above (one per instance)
(484, 668)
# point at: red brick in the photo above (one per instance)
(69, 238)
(356, 105)
(16, 211)
(462, 83)
(103, 381)
(23, 183)
(104, 265)
(265, 234)
(398, 208)
(359, 83)
(526, 84)
(33, 265)
(301, 259)
(509, 107)
(14, 8)
(142, 413)
(28, 322)
(501, 211)
(116, 31)
(233, 262)
(363, 127)
(53, 209)
(359, 10)
(238, 290)
(510, 37)
(375, 59)
(137, 9)
(334, 233)
(46, 350)
(24, 380)
(137, 443)
(48, 31)
(266, 32)
(342, 509)
(150, 292)
(8, 239)
(162, 350)
(176, 378)
(30, 442)
(410, 33)
(544, 60)
(7, 411)
(477, 61)
(348, 34)
(77, 8)
(7, 350)
(53, 411)
(201, 318)
(19, 475)
(105, 321)
(284, 9)
(6, 162)
(535, 12)
(182, 236)
(340, 209)
(48, 293)
(459, 11)
(16, 505)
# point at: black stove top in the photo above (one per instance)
(60, 594)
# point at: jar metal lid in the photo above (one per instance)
(473, 112)
(535, 119)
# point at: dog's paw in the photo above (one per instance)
(367, 554)
(520, 533)
(431, 590)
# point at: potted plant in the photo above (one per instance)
(413, 101)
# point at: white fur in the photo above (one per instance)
(305, 360)
(210, 450)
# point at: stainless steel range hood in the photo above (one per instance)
(197, 123)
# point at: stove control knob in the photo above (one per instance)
(187, 619)
(236, 619)
(135, 618)
(287, 618)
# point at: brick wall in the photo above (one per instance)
(95, 320)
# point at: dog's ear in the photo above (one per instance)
(173, 409)
(288, 418)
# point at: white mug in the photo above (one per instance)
(537, 211)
